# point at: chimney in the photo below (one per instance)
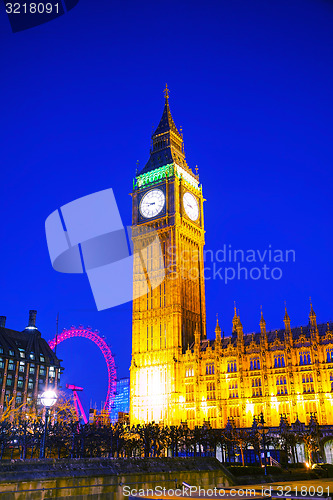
(2, 321)
(32, 318)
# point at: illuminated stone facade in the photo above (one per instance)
(178, 375)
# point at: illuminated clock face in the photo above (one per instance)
(152, 203)
(191, 206)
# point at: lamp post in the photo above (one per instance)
(262, 422)
(48, 399)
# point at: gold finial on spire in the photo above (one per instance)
(217, 328)
(262, 323)
(312, 313)
(235, 319)
(286, 315)
(286, 320)
(166, 92)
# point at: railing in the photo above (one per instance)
(274, 462)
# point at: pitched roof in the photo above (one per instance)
(166, 123)
(30, 340)
(167, 143)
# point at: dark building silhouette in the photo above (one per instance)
(28, 366)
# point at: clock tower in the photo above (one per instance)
(167, 198)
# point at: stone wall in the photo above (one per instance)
(105, 478)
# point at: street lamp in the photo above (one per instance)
(262, 422)
(48, 399)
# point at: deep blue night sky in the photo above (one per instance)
(251, 85)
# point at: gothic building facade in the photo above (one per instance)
(177, 374)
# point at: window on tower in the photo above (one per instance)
(189, 393)
(279, 361)
(310, 409)
(212, 414)
(211, 390)
(307, 380)
(329, 355)
(189, 372)
(232, 366)
(255, 363)
(256, 387)
(210, 369)
(305, 358)
(281, 385)
(284, 409)
(233, 389)
(234, 415)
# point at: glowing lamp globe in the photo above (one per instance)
(48, 398)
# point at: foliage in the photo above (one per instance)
(22, 430)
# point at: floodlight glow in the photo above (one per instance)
(48, 398)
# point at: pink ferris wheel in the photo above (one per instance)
(105, 349)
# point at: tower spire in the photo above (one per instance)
(288, 334)
(312, 315)
(262, 322)
(240, 334)
(235, 319)
(286, 318)
(263, 333)
(217, 331)
(167, 142)
(313, 324)
(166, 92)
